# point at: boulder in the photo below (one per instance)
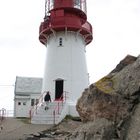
(113, 96)
(116, 98)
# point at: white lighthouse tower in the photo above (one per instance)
(65, 32)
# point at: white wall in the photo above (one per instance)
(67, 62)
(22, 106)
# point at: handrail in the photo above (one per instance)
(2, 114)
(35, 107)
(56, 110)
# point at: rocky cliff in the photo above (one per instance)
(110, 107)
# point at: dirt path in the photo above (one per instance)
(16, 129)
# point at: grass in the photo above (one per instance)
(24, 120)
(69, 117)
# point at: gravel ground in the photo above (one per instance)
(19, 129)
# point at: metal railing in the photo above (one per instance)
(35, 107)
(57, 108)
(2, 114)
(9, 113)
(59, 105)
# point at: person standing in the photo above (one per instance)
(47, 99)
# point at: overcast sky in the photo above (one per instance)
(116, 33)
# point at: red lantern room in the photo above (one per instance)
(65, 15)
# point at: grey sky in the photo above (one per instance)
(116, 33)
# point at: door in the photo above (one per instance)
(59, 89)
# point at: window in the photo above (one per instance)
(37, 101)
(24, 103)
(32, 102)
(19, 103)
(77, 2)
(60, 41)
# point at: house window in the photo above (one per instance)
(32, 102)
(19, 103)
(37, 101)
(24, 103)
(60, 41)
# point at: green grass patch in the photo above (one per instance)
(24, 120)
(70, 117)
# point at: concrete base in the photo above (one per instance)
(72, 109)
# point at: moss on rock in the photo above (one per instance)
(105, 84)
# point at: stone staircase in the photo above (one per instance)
(56, 112)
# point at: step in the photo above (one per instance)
(47, 117)
(51, 109)
(44, 122)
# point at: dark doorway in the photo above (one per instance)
(59, 89)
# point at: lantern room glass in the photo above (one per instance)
(78, 4)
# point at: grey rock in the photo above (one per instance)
(101, 129)
(116, 98)
(133, 131)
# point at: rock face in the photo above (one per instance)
(116, 99)
(100, 129)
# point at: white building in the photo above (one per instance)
(27, 92)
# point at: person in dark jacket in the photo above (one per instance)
(47, 99)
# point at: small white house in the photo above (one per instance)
(27, 92)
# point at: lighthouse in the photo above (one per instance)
(65, 32)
